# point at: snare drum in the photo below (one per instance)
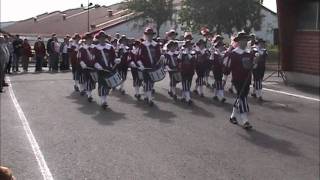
(157, 74)
(114, 80)
(177, 76)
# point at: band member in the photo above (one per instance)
(218, 66)
(241, 64)
(73, 51)
(226, 62)
(149, 57)
(187, 66)
(171, 63)
(137, 82)
(87, 62)
(259, 71)
(125, 58)
(104, 55)
(170, 35)
(202, 65)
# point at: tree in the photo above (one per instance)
(160, 11)
(221, 15)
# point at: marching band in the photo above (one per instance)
(98, 60)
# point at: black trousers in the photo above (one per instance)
(64, 64)
(243, 88)
(39, 62)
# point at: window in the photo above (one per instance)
(308, 15)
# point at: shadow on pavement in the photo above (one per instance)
(268, 142)
(108, 116)
(105, 117)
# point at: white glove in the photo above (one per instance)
(83, 65)
(133, 65)
(98, 66)
(141, 66)
(168, 68)
(117, 61)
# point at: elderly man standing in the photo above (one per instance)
(4, 59)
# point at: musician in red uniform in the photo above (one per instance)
(87, 62)
(170, 36)
(187, 66)
(137, 82)
(259, 71)
(202, 66)
(217, 68)
(104, 55)
(171, 63)
(241, 64)
(73, 51)
(125, 58)
(149, 57)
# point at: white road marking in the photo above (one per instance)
(35, 147)
(291, 94)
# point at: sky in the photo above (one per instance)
(15, 10)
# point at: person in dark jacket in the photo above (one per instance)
(17, 50)
(26, 54)
(40, 53)
(64, 64)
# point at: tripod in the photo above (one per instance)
(279, 72)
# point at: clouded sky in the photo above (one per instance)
(14, 10)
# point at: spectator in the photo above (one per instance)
(4, 58)
(49, 50)
(17, 48)
(55, 51)
(10, 47)
(64, 53)
(26, 54)
(40, 53)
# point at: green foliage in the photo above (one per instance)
(221, 15)
(159, 11)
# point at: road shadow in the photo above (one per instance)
(162, 115)
(273, 105)
(86, 107)
(268, 142)
(108, 116)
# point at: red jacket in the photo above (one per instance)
(239, 59)
(40, 49)
(86, 55)
(26, 50)
(110, 55)
(155, 52)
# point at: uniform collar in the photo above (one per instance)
(105, 46)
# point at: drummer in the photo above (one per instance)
(187, 67)
(171, 63)
(87, 62)
(104, 55)
(202, 66)
(149, 57)
(124, 56)
(218, 66)
(73, 51)
(137, 82)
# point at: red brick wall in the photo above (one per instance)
(305, 57)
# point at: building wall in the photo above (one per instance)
(269, 23)
(306, 52)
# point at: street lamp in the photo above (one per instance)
(88, 10)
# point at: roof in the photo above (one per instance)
(76, 21)
(71, 21)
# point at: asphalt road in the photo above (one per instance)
(170, 141)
